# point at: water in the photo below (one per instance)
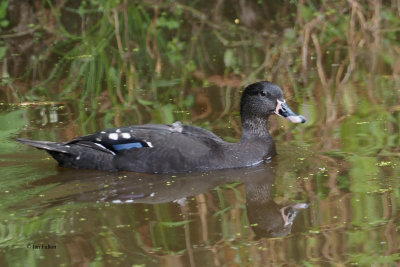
(346, 171)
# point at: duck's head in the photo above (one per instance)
(261, 99)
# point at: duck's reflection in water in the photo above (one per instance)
(266, 217)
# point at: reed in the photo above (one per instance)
(118, 48)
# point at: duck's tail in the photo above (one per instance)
(45, 145)
(75, 155)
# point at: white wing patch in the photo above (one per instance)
(149, 144)
(100, 145)
(113, 136)
(126, 135)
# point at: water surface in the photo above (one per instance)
(346, 171)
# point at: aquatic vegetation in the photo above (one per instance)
(132, 51)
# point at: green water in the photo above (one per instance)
(347, 171)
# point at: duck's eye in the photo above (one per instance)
(262, 94)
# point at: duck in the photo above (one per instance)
(177, 148)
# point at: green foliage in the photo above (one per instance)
(306, 12)
(121, 47)
(3, 24)
(3, 14)
(170, 24)
(229, 58)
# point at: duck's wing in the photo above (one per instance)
(143, 148)
(155, 148)
(149, 135)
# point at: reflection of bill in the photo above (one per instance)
(271, 220)
(268, 219)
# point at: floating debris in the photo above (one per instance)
(384, 163)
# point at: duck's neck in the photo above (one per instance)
(254, 127)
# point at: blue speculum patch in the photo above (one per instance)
(127, 146)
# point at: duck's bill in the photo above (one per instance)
(283, 110)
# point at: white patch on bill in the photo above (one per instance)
(296, 119)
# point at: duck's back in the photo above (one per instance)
(171, 148)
